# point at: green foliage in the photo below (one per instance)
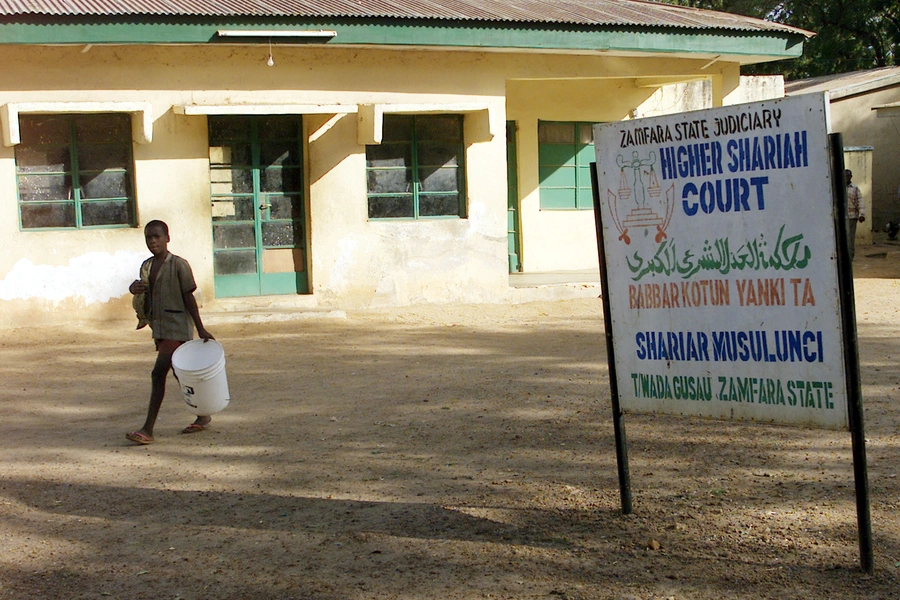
(851, 35)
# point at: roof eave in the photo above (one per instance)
(745, 47)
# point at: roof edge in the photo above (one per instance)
(843, 86)
(740, 46)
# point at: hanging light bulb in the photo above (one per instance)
(270, 61)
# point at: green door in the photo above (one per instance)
(256, 179)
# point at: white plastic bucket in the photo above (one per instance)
(200, 368)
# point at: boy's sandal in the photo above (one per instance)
(139, 438)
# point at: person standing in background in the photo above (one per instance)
(856, 211)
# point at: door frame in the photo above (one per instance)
(263, 282)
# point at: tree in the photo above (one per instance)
(851, 35)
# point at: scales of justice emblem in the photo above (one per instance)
(637, 203)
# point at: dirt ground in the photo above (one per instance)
(433, 452)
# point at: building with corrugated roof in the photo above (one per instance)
(342, 153)
(865, 108)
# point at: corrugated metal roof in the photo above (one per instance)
(604, 13)
(845, 84)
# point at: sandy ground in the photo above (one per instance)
(433, 452)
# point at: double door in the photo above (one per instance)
(256, 179)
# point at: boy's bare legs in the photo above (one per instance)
(158, 376)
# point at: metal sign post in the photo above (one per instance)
(851, 354)
(618, 414)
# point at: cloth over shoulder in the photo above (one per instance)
(139, 301)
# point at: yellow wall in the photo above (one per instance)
(555, 240)
(352, 262)
(565, 240)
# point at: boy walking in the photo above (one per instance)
(166, 290)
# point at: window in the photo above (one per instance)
(417, 171)
(566, 151)
(75, 171)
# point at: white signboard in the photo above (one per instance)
(722, 265)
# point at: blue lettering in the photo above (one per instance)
(802, 160)
(689, 190)
(716, 150)
(780, 151)
(808, 336)
(667, 162)
(731, 147)
(758, 182)
(725, 205)
(769, 150)
(756, 162)
(741, 195)
(793, 343)
(683, 167)
(710, 196)
(744, 352)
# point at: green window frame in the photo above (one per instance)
(565, 154)
(75, 171)
(418, 170)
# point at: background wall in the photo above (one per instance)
(859, 161)
(565, 240)
(51, 276)
(54, 276)
(853, 117)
